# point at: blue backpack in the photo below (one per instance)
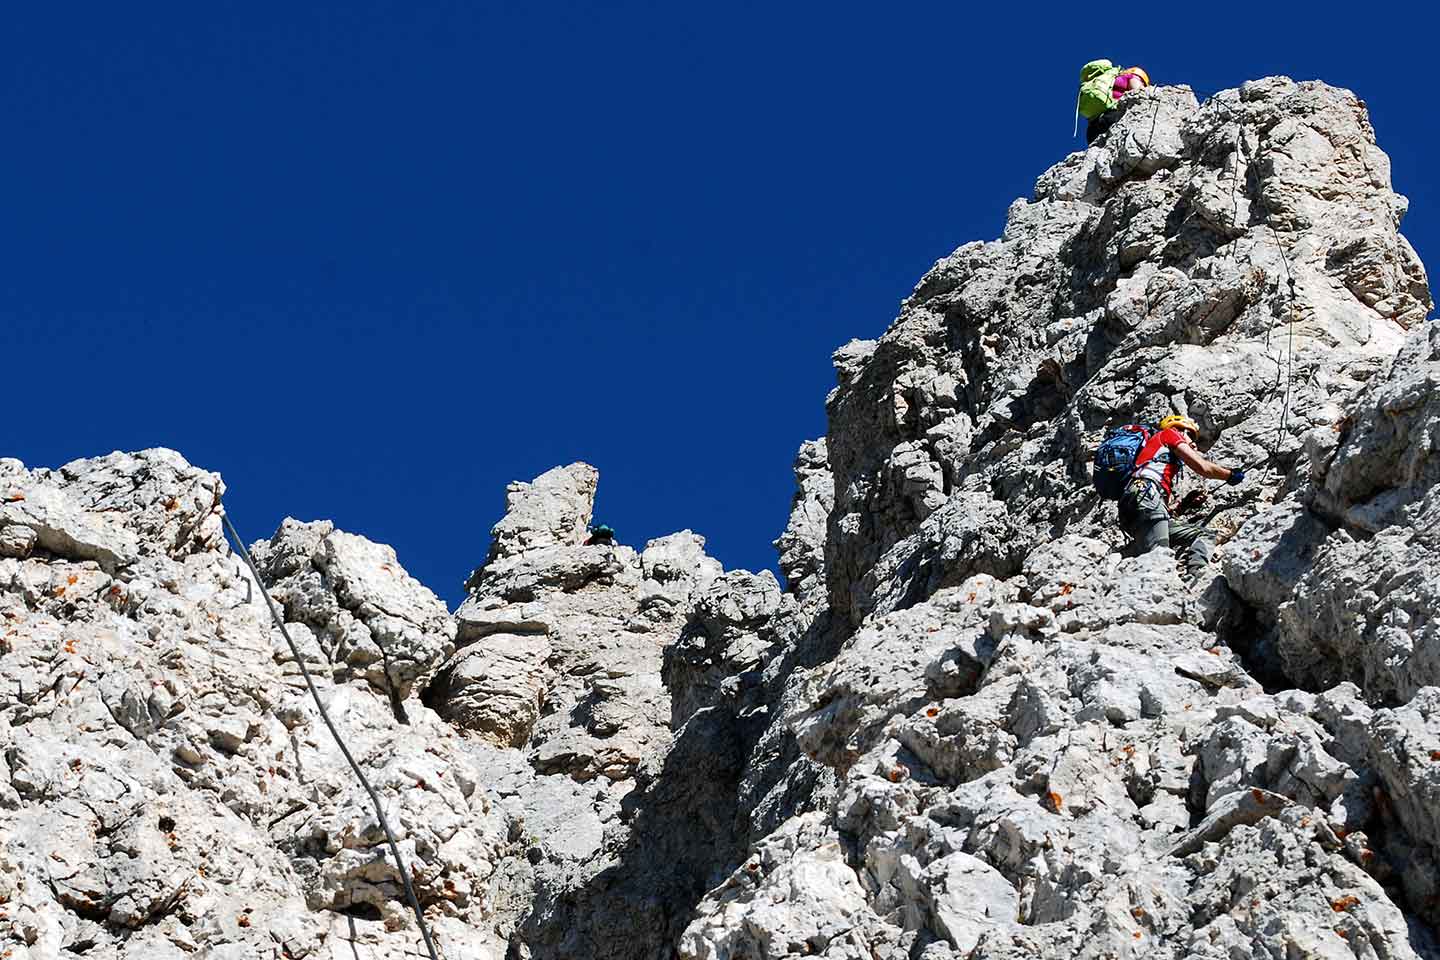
(1115, 458)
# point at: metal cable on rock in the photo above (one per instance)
(339, 740)
(1290, 324)
(1235, 187)
(1287, 371)
(1283, 373)
(1155, 115)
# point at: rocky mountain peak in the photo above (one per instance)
(973, 722)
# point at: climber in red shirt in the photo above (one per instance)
(1148, 503)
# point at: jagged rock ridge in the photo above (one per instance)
(1046, 748)
(968, 726)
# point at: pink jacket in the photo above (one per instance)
(1122, 85)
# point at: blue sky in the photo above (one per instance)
(371, 260)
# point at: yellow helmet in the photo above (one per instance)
(1183, 423)
(1140, 72)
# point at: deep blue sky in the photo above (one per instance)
(374, 260)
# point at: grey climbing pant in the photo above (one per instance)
(1099, 125)
(1146, 519)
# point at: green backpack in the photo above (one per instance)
(1097, 79)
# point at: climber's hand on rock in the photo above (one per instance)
(1193, 501)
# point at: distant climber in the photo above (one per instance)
(1102, 84)
(600, 536)
(1145, 505)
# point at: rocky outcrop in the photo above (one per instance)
(1354, 581)
(1123, 290)
(802, 546)
(561, 647)
(560, 644)
(367, 616)
(970, 723)
(1042, 747)
(552, 510)
(168, 788)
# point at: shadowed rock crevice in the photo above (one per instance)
(681, 842)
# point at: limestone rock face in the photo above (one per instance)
(1034, 744)
(1198, 259)
(167, 788)
(969, 723)
(802, 545)
(561, 650)
(369, 617)
(1364, 606)
(560, 644)
(554, 509)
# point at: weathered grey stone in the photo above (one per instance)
(163, 500)
(172, 760)
(967, 896)
(42, 516)
(552, 510)
(1248, 807)
(369, 615)
(802, 546)
(679, 557)
(17, 540)
(971, 725)
(495, 686)
(721, 654)
(794, 889)
(1349, 583)
(1148, 275)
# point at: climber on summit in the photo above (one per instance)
(1145, 506)
(600, 536)
(1102, 84)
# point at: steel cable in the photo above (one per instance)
(339, 741)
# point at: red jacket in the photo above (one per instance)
(1158, 461)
